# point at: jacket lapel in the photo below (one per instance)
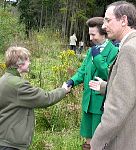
(104, 53)
(131, 35)
(106, 50)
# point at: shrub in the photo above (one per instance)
(11, 32)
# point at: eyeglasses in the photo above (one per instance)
(107, 20)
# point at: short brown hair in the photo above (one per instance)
(127, 9)
(96, 22)
(16, 55)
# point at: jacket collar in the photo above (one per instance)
(14, 71)
(127, 37)
(107, 49)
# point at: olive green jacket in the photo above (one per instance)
(17, 102)
(98, 66)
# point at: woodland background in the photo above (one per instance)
(44, 27)
(65, 16)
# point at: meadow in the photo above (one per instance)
(52, 63)
(57, 127)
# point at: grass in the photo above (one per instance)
(57, 127)
(63, 140)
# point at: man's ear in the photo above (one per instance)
(124, 20)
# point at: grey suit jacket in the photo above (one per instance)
(117, 130)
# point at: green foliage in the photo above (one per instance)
(45, 47)
(57, 127)
(45, 42)
(62, 15)
(81, 15)
(2, 68)
(63, 140)
(51, 66)
(10, 30)
(68, 64)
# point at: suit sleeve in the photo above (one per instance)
(78, 77)
(120, 99)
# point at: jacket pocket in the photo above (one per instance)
(19, 133)
(97, 93)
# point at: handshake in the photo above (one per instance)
(68, 85)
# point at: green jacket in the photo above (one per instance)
(17, 102)
(98, 66)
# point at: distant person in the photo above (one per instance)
(96, 63)
(81, 45)
(73, 40)
(117, 129)
(18, 98)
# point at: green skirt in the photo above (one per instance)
(89, 123)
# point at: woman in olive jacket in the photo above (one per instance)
(18, 99)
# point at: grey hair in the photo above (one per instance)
(125, 8)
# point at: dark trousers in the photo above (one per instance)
(80, 49)
(73, 47)
(7, 148)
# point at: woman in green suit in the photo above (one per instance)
(96, 63)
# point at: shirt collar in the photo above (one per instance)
(13, 70)
(102, 46)
(124, 38)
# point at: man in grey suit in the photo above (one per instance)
(117, 130)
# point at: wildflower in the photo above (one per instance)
(2, 66)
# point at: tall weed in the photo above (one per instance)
(11, 32)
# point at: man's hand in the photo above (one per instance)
(95, 85)
(65, 86)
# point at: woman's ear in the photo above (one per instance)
(19, 64)
(19, 67)
(19, 61)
